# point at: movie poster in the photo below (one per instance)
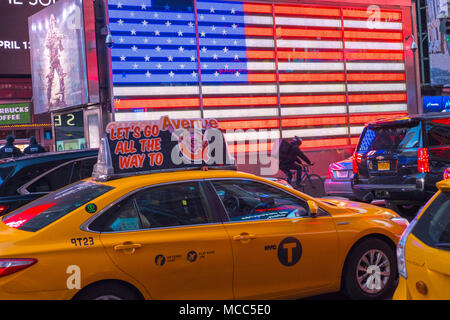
(438, 47)
(58, 57)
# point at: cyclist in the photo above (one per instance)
(291, 159)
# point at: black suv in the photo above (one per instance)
(400, 160)
(27, 178)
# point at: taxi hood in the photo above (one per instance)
(347, 206)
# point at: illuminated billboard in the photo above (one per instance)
(438, 47)
(312, 70)
(61, 48)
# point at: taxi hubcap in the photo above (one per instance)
(108, 297)
(373, 271)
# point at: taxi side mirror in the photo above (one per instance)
(313, 208)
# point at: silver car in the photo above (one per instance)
(338, 182)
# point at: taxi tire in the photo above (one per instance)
(105, 289)
(350, 284)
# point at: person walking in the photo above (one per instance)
(34, 147)
(9, 149)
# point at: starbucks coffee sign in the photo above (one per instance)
(15, 113)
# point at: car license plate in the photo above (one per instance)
(384, 165)
(342, 174)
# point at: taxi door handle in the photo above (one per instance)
(244, 236)
(128, 246)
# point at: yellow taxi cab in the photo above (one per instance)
(424, 251)
(190, 233)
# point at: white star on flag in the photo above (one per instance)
(119, 5)
(204, 49)
(159, 66)
(135, 66)
(145, 40)
(234, 26)
(134, 48)
(233, 11)
(157, 33)
(148, 74)
(202, 34)
(143, 7)
(212, 10)
(180, 33)
(122, 58)
(168, 24)
(158, 48)
(225, 49)
(216, 74)
(170, 58)
(144, 23)
(120, 21)
(194, 74)
(181, 49)
(237, 74)
(147, 58)
(133, 32)
(121, 39)
(169, 41)
(171, 74)
(215, 56)
(192, 58)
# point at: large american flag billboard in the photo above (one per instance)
(319, 72)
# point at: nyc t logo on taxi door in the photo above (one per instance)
(289, 251)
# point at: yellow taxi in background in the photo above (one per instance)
(424, 251)
(193, 234)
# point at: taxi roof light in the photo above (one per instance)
(145, 147)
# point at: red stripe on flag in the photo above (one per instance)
(239, 101)
(260, 54)
(365, 118)
(379, 97)
(329, 55)
(250, 147)
(311, 77)
(261, 77)
(376, 77)
(315, 121)
(158, 103)
(308, 33)
(257, 8)
(325, 99)
(366, 14)
(373, 35)
(259, 31)
(307, 11)
(249, 124)
(391, 56)
(354, 140)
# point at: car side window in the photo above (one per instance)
(54, 180)
(82, 169)
(170, 205)
(173, 205)
(249, 200)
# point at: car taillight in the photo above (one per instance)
(330, 174)
(355, 163)
(423, 163)
(3, 209)
(8, 266)
(447, 174)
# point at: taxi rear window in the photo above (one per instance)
(433, 228)
(48, 209)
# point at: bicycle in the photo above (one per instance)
(310, 183)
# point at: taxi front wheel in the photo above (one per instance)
(371, 271)
(108, 291)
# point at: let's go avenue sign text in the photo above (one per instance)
(15, 113)
(165, 144)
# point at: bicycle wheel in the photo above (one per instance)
(313, 186)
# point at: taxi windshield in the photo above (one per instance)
(45, 210)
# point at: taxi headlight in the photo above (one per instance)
(401, 261)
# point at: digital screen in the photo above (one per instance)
(14, 40)
(436, 103)
(15, 113)
(69, 131)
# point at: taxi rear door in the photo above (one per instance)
(279, 251)
(168, 238)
